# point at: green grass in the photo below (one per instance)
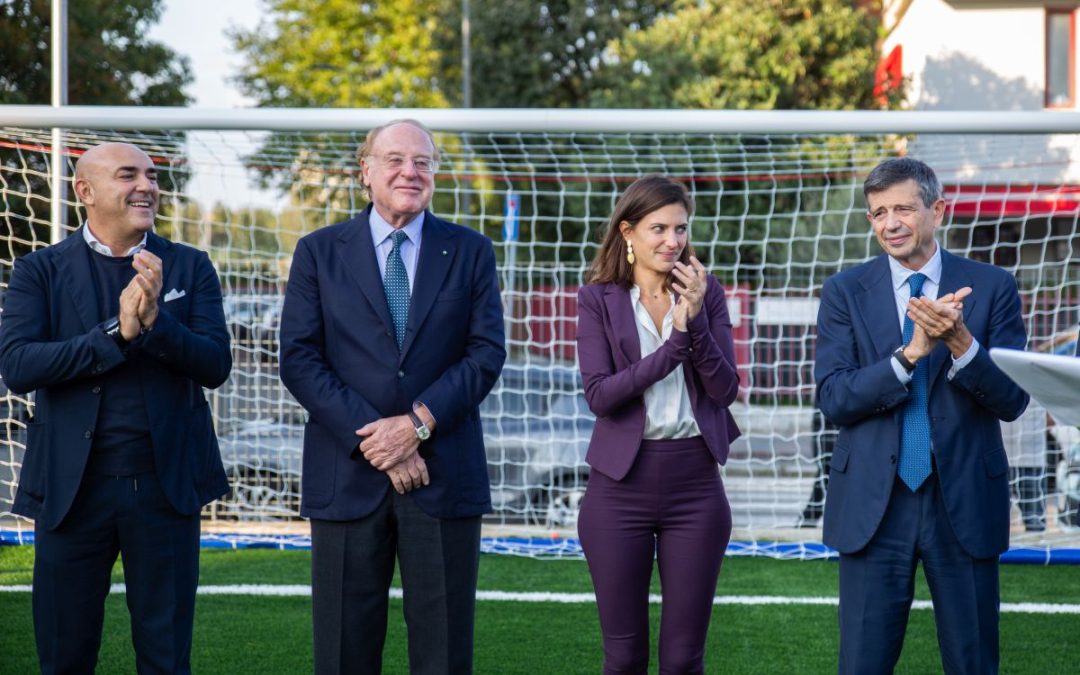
(273, 635)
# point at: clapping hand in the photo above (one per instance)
(690, 284)
(940, 320)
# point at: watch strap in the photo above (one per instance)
(112, 329)
(903, 360)
(418, 424)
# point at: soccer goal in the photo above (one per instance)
(779, 208)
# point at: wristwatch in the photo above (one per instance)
(112, 329)
(422, 431)
(903, 360)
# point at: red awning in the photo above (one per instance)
(1014, 201)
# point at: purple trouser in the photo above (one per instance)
(671, 505)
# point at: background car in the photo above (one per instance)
(14, 416)
(1063, 448)
(262, 459)
(253, 320)
(536, 431)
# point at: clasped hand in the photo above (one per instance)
(139, 299)
(391, 446)
(690, 284)
(940, 320)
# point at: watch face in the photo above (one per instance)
(423, 433)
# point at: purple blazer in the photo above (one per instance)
(616, 377)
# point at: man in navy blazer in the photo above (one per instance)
(919, 472)
(121, 453)
(391, 335)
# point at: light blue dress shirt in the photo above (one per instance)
(410, 248)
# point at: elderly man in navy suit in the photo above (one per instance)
(121, 453)
(919, 472)
(391, 335)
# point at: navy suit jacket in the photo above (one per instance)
(51, 343)
(858, 391)
(340, 360)
(615, 376)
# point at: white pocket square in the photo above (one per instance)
(174, 295)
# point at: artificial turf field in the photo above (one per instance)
(255, 634)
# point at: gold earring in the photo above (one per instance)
(630, 252)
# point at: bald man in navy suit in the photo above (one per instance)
(118, 331)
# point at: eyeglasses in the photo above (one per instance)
(421, 164)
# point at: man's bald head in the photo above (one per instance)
(117, 184)
(103, 155)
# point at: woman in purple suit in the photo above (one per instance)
(658, 364)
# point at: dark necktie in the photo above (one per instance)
(915, 437)
(396, 285)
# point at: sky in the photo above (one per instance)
(196, 29)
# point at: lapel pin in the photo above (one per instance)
(444, 252)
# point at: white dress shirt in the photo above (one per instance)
(902, 292)
(95, 244)
(410, 248)
(668, 413)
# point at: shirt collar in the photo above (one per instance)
(95, 244)
(381, 230)
(932, 270)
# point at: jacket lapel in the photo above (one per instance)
(437, 253)
(620, 312)
(877, 305)
(74, 265)
(163, 249)
(357, 255)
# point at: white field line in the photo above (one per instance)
(589, 598)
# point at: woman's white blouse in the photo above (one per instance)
(667, 403)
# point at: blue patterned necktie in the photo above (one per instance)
(396, 285)
(915, 437)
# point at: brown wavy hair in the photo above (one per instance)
(645, 195)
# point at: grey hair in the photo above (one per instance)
(900, 169)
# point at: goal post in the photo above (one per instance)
(779, 208)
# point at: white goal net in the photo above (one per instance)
(776, 213)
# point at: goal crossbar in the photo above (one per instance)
(491, 120)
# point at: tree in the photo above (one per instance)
(343, 53)
(335, 53)
(111, 61)
(753, 54)
(528, 54)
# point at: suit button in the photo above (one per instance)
(892, 459)
(96, 390)
(88, 434)
(400, 374)
(388, 334)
